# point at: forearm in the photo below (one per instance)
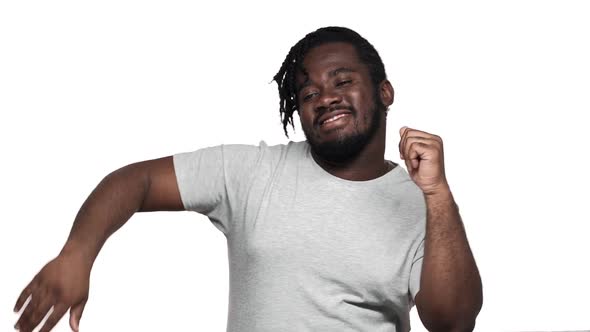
(450, 279)
(116, 198)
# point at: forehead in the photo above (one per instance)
(326, 57)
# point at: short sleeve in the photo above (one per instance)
(416, 271)
(208, 178)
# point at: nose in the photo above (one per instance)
(327, 98)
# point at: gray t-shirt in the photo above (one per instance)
(308, 251)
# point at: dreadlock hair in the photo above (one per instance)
(285, 77)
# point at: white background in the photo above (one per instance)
(86, 88)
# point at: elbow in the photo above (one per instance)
(456, 312)
(444, 319)
(464, 327)
(458, 325)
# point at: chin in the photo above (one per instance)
(341, 149)
(345, 145)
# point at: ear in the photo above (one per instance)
(386, 93)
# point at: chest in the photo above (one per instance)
(360, 239)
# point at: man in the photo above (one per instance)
(324, 234)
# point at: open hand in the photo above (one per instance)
(62, 283)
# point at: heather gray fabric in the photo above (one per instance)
(308, 251)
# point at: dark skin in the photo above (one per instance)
(450, 288)
(64, 281)
(450, 295)
(337, 78)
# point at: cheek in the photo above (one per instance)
(359, 99)
(365, 101)
(306, 118)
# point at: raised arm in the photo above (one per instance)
(63, 282)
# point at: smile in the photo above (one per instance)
(335, 121)
(334, 118)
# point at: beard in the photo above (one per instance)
(347, 147)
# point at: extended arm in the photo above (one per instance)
(63, 282)
(144, 186)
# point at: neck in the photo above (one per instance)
(368, 165)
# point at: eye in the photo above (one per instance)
(308, 96)
(342, 83)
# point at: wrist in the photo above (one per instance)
(441, 194)
(82, 252)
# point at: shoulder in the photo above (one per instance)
(263, 146)
(265, 152)
(249, 160)
(404, 185)
(407, 196)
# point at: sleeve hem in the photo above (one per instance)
(179, 180)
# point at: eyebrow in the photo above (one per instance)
(333, 73)
(341, 70)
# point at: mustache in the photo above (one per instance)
(340, 107)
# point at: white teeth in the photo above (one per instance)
(334, 118)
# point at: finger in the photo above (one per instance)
(407, 133)
(402, 132)
(408, 165)
(38, 306)
(402, 129)
(24, 295)
(58, 311)
(416, 132)
(76, 314)
(25, 317)
(413, 139)
(43, 307)
(413, 154)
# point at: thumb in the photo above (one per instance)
(76, 314)
(402, 129)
